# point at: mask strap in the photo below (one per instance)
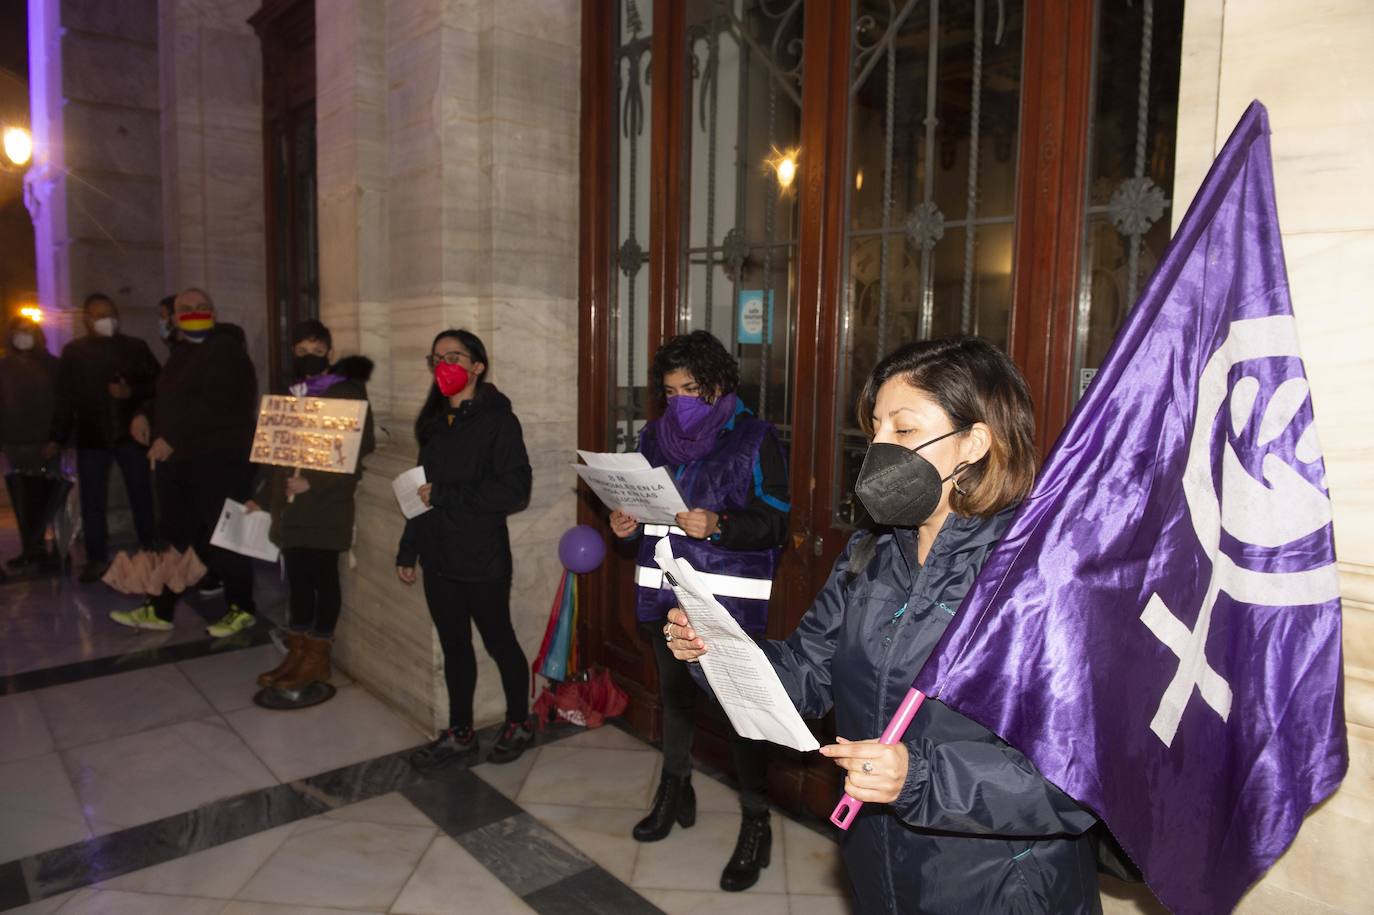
(939, 437)
(954, 475)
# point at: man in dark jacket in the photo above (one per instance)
(201, 429)
(28, 381)
(102, 380)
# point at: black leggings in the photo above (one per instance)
(313, 577)
(454, 606)
(679, 693)
(190, 497)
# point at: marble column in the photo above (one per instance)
(212, 155)
(450, 200)
(94, 187)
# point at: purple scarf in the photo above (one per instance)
(316, 385)
(687, 432)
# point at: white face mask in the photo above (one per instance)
(22, 341)
(106, 327)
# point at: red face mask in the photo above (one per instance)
(451, 378)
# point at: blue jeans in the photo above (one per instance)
(93, 473)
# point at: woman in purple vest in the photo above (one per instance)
(732, 473)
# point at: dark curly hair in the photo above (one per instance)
(973, 382)
(701, 355)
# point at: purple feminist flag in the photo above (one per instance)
(1160, 628)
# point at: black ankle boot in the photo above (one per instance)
(752, 852)
(675, 800)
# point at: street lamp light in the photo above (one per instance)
(18, 146)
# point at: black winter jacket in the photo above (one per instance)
(475, 457)
(86, 415)
(321, 517)
(976, 828)
(206, 403)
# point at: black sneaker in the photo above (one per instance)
(515, 737)
(451, 747)
(210, 585)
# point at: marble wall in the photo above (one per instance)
(94, 184)
(448, 168)
(1310, 65)
(212, 159)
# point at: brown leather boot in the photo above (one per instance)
(313, 667)
(295, 653)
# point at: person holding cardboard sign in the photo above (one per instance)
(312, 514)
(732, 472)
(473, 453)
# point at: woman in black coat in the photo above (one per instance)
(477, 472)
(955, 820)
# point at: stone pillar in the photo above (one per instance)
(451, 201)
(212, 157)
(94, 187)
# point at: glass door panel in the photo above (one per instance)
(934, 97)
(741, 133)
(629, 320)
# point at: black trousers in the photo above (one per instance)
(93, 472)
(679, 693)
(30, 495)
(454, 606)
(313, 578)
(191, 496)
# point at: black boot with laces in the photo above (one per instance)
(674, 801)
(452, 747)
(752, 852)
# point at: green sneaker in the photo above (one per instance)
(141, 617)
(234, 621)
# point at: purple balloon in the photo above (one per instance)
(581, 549)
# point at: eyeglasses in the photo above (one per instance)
(452, 358)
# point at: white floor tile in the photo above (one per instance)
(144, 777)
(38, 808)
(112, 902)
(591, 778)
(43, 906)
(714, 797)
(138, 700)
(821, 905)
(390, 809)
(267, 908)
(449, 880)
(686, 902)
(218, 872)
(606, 737)
(341, 863)
(814, 865)
(692, 859)
(25, 732)
(228, 679)
(602, 835)
(350, 728)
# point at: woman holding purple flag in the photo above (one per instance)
(732, 473)
(955, 820)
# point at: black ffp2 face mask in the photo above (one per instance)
(309, 364)
(898, 487)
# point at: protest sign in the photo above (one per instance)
(311, 433)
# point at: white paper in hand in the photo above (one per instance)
(406, 487)
(245, 532)
(740, 674)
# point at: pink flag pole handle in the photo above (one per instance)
(848, 807)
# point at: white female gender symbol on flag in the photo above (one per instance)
(1283, 508)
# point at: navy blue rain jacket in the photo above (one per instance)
(976, 828)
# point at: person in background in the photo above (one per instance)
(477, 473)
(167, 321)
(199, 432)
(103, 379)
(732, 472)
(312, 514)
(955, 819)
(28, 392)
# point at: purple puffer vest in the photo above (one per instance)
(721, 482)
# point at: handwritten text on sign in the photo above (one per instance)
(314, 433)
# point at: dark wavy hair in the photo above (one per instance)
(973, 382)
(701, 355)
(436, 403)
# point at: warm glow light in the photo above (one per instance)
(33, 313)
(784, 165)
(18, 145)
(859, 180)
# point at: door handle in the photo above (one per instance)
(818, 546)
